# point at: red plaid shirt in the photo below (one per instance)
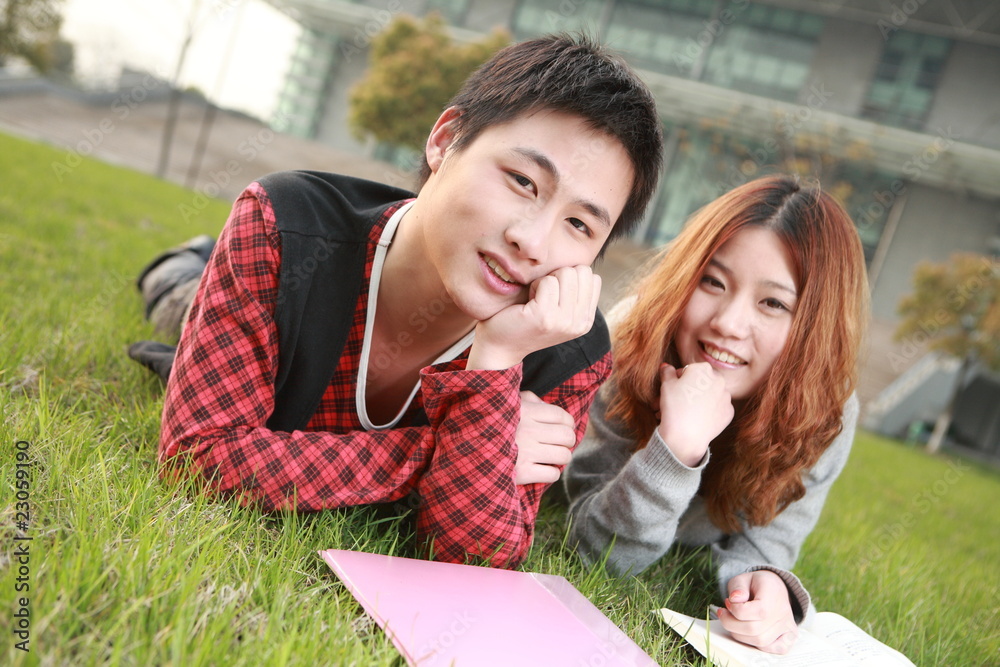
(461, 466)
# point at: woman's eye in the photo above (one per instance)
(709, 281)
(775, 304)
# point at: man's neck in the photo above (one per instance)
(412, 297)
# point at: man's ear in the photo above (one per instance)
(441, 137)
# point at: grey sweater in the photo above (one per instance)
(647, 500)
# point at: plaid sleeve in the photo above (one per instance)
(470, 504)
(221, 392)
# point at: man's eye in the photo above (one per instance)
(524, 181)
(580, 225)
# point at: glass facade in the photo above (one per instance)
(905, 79)
(303, 97)
(739, 45)
(763, 50)
(731, 43)
(710, 160)
(661, 36)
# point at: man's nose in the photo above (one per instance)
(531, 235)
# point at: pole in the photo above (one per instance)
(173, 104)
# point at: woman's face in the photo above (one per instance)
(740, 314)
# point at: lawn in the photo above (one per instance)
(125, 568)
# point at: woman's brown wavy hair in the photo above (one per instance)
(756, 466)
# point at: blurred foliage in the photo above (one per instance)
(29, 29)
(415, 69)
(956, 307)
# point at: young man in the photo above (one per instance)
(350, 343)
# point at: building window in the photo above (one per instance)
(905, 79)
(303, 97)
(532, 19)
(765, 51)
(734, 44)
(661, 36)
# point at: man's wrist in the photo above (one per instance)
(492, 359)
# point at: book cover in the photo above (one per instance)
(449, 614)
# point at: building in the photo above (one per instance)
(895, 106)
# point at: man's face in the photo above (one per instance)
(521, 200)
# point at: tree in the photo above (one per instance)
(29, 29)
(414, 70)
(954, 308)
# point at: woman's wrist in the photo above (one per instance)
(690, 456)
(686, 453)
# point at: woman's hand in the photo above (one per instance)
(694, 408)
(759, 613)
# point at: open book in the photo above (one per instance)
(830, 640)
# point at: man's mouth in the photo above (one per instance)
(721, 355)
(498, 270)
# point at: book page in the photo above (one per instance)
(811, 648)
(862, 647)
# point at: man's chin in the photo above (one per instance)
(483, 310)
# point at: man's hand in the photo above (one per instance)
(560, 307)
(545, 437)
(694, 408)
(759, 613)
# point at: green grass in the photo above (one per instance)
(908, 547)
(126, 568)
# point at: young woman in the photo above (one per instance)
(730, 410)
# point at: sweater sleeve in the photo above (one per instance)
(631, 501)
(634, 503)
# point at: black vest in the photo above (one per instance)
(324, 221)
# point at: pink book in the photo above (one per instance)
(448, 614)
